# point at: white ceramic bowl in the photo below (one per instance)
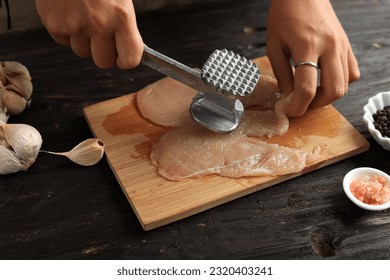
(375, 103)
(357, 172)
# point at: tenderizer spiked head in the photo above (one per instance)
(230, 73)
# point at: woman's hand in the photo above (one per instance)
(309, 31)
(104, 29)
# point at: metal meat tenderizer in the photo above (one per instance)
(224, 75)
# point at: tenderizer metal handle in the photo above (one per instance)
(176, 70)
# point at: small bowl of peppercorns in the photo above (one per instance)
(377, 118)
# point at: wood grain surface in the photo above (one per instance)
(157, 201)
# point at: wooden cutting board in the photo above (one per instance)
(157, 201)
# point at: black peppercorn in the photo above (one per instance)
(382, 121)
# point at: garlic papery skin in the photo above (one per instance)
(19, 147)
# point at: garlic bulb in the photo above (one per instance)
(19, 147)
(88, 152)
(15, 87)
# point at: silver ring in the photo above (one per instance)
(306, 63)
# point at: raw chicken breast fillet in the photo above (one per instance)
(192, 151)
(166, 102)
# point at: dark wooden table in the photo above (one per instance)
(58, 210)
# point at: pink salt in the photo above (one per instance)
(373, 190)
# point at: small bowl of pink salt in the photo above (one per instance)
(368, 188)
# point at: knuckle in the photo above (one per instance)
(132, 60)
(98, 24)
(332, 40)
(52, 26)
(310, 42)
(104, 64)
(128, 63)
(340, 91)
(297, 113)
(81, 52)
(307, 40)
(122, 15)
(72, 27)
(307, 90)
(336, 92)
(354, 75)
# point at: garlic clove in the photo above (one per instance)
(19, 147)
(15, 103)
(87, 153)
(9, 163)
(18, 78)
(24, 139)
(15, 87)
